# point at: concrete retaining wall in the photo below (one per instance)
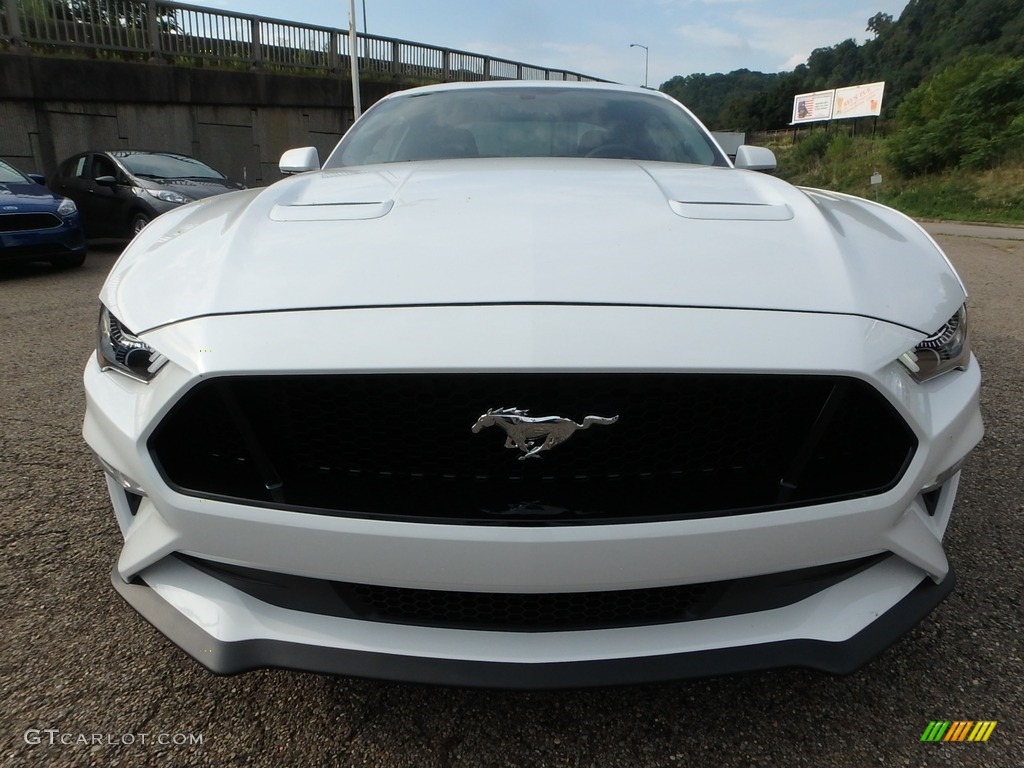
(238, 122)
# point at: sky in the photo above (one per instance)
(593, 37)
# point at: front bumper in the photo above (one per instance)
(65, 240)
(836, 629)
(176, 599)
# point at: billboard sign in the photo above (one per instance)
(858, 101)
(810, 107)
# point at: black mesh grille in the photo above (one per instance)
(524, 611)
(546, 612)
(401, 446)
(26, 222)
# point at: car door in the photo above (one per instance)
(107, 199)
(103, 205)
(71, 181)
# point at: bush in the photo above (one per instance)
(812, 147)
(841, 147)
(969, 116)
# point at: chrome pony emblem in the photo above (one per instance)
(532, 435)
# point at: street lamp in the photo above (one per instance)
(647, 58)
(353, 57)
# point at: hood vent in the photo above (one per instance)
(331, 211)
(732, 211)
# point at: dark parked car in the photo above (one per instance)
(121, 191)
(36, 224)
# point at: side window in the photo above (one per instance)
(74, 167)
(103, 166)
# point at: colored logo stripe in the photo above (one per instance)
(958, 730)
(982, 731)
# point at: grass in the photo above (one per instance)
(843, 163)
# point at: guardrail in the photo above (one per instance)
(182, 33)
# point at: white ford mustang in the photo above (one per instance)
(530, 387)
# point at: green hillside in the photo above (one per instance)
(928, 37)
(950, 142)
(835, 160)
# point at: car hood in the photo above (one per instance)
(533, 231)
(26, 198)
(194, 189)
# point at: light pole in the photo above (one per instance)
(647, 58)
(353, 57)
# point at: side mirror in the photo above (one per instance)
(38, 178)
(755, 158)
(106, 181)
(299, 160)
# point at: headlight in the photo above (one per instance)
(168, 196)
(67, 207)
(945, 350)
(118, 349)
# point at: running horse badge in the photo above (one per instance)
(535, 434)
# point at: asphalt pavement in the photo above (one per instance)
(85, 681)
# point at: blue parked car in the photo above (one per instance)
(36, 224)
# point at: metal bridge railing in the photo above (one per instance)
(184, 33)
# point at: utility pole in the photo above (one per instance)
(353, 55)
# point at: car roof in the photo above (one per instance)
(487, 85)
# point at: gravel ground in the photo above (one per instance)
(75, 658)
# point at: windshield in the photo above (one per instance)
(10, 175)
(526, 122)
(165, 166)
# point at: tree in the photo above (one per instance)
(732, 101)
(98, 12)
(880, 23)
(970, 115)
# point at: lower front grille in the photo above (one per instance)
(401, 446)
(34, 251)
(517, 612)
(28, 222)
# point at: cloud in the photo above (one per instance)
(704, 47)
(791, 40)
(781, 42)
(795, 60)
(706, 35)
(705, 2)
(724, 35)
(594, 59)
